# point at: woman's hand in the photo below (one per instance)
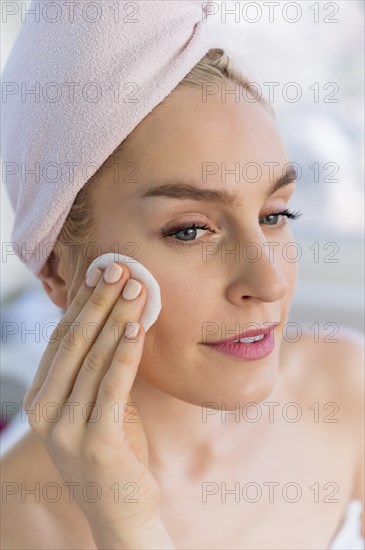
(97, 440)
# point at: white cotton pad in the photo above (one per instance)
(152, 307)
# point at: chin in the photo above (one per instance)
(227, 383)
(236, 382)
(232, 397)
(242, 384)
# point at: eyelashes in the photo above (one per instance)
(182, 228)
(287, 213)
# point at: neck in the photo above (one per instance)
(183, 438)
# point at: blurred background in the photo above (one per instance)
(311, 59)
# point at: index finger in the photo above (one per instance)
(78, 303)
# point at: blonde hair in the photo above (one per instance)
(215, 66)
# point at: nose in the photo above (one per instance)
(262, 278)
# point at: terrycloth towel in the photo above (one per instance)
(349, 536)
(95, 74)
(139, 272)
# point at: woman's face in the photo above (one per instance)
(210, 290)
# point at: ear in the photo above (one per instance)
(52, 281)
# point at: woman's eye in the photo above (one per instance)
(186, 233)
(272, 219)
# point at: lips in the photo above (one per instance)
(247, 334)
(246, 351)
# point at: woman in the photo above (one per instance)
(208, 450)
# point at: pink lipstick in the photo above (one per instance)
(262, 344)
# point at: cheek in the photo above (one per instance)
(185, 299)
(178, 327)
(184, 302)
(287, 256)
(289, 267)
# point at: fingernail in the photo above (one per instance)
(93, 277)
(113, 273)
(131, 329)
(131, 290)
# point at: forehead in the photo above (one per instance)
(184, 130)
(184, 138)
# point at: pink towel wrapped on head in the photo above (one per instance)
(75, 85)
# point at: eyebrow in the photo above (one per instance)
(187, 190)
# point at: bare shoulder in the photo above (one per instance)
(36, 511)
(18, 470)
(331, 370)
(349, 367)
(331, 366)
